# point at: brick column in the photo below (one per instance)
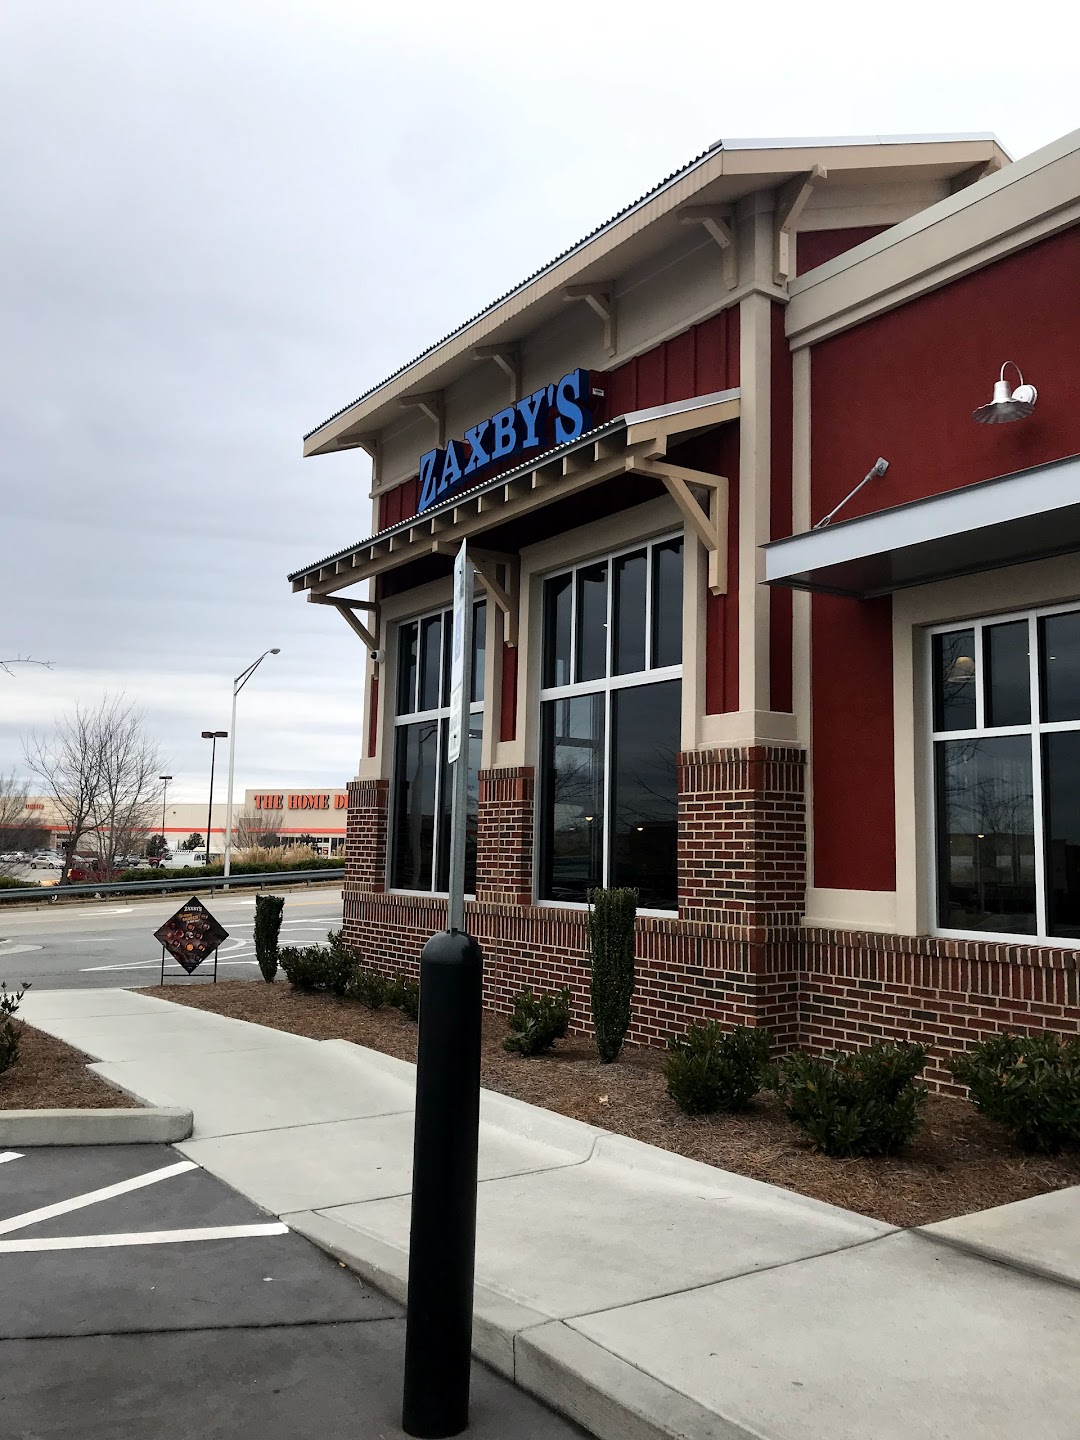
(504, 836)
(365, 836)
(742, 837)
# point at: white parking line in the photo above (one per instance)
(10, 1155)
(142, 1237)
(107, 1192)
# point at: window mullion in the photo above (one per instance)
(1042, 911)
(650, 555)
(609, 790)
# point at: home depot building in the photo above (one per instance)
(840, 762)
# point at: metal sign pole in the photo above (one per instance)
(442, 1249)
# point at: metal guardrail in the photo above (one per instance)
(162, 887)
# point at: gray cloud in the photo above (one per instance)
(224, 221)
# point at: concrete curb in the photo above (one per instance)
(157, 1126)
(567, 1371)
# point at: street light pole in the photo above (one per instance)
(164, 793)
(213, 736)
(238, 684)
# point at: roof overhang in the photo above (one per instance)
(724, 175)
(1030, 515)
(598, 455)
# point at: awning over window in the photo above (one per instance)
(638, 440)
(1029, 515)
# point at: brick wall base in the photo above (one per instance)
(819, 989)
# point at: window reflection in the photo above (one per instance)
(986, 835)
(572, 797)
(954, 680)
(415, 772)
(558, 598)
(1008, 680)
(667, 605)
(1059, 647)
(1061, 786)
(630, 585)
(430, 662)
(592, 629)
(644, 748)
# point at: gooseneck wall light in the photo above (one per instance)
(1007, 404)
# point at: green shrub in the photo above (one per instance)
(404, 995)
(9, 1030)
(304, 966)
(1030, 1084)
(611, 950)
(268, 912)
(707, 1070)
(861, 1103)
(537, 1021)
(9, 882)
(369, 987)
(200, 872)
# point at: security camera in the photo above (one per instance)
(378, 656)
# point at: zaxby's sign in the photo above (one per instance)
(554, 415)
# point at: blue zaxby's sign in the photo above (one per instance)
(554, 415)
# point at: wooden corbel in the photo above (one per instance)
(433, 404)
(347, 610)
(790, 204)
(710, 524)
(505, 594)
(508, 359)
(717, 221)
(601, 302)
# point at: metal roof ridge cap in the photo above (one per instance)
(941, 210)
(811, 142)
(678, 174)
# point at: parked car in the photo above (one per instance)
(15, 857)
(45, 860)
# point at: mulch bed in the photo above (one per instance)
(50, 1075)
(958, 1163)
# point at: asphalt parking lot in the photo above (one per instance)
(144, 1300)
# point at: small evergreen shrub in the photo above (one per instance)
(9, 1030)
(369, 987)
(404, 995)
(304, 966)
(537, 1021)
(1030, 1084)
(707, 1070)
(611, 949)
(268, 912)
(860, 1103)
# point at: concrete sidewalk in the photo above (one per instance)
(643, 1294)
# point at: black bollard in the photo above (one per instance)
(438, 1337)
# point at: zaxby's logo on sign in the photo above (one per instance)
(554, 415)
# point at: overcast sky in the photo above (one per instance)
(222, 221)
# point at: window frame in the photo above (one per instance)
(608, 684)
(1035, 729)
(435, 716)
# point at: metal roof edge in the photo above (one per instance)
(678, 174)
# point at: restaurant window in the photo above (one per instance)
(1006, 743)
(610, 720)
(421, 791)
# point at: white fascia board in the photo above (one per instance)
(963, 512)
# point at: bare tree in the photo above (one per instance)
(100, 769)
(256, 827)
(5, 665)
(13, 793)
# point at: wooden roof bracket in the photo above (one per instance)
(790, 203)
(505, 592)
(717, 222)
(709, 524)
(600, 301)
(347, 610)
(508, 359)
(433, 404)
